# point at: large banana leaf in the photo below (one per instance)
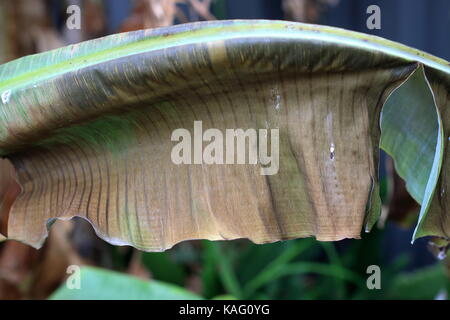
(88, 129)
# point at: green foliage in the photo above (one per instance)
(107, 285)
(423, 284)
(164, 268)
(298, 269)
(416, 147)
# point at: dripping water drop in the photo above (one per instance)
(276, 97)
(442, 254)
(332, 149)
(6, 96)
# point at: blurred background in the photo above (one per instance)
(298, 269)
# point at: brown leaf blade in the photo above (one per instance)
(95, 141)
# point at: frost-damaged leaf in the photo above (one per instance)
(88, 128)
(9, 190)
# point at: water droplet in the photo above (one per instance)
(277, 102)
(439, 247)
(332, 149)
(442, 254)
(289, 26)
(276, 97)
(6, 96)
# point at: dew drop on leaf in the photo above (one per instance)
(276, 97)
(5, 96)
(332, 149)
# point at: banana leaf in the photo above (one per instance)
(102, 284)
(89, 131)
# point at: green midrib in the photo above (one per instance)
(220, 31)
